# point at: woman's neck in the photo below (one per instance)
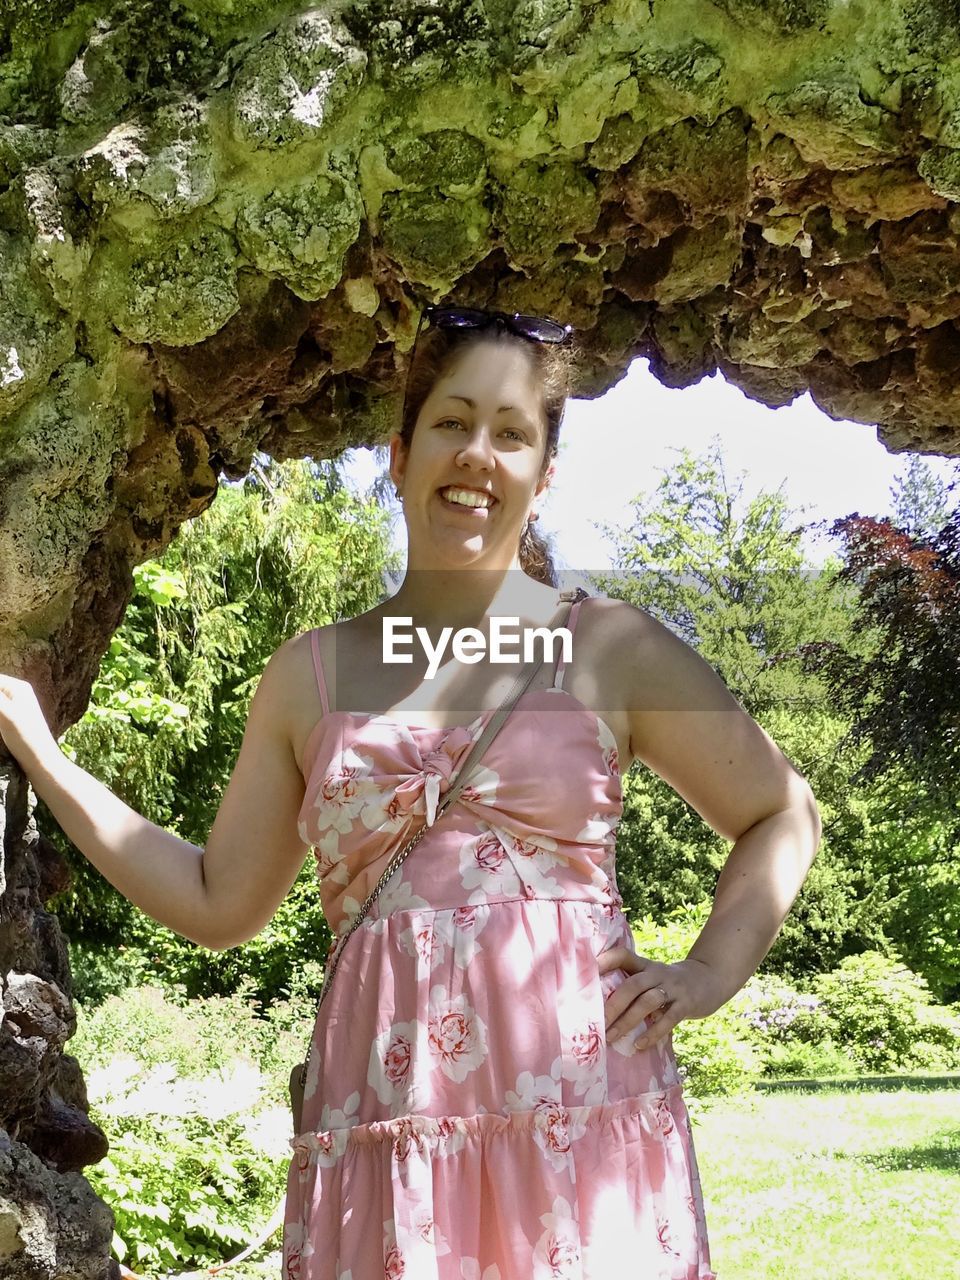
(464, 597)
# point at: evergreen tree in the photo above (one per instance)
(727, 573)
(288, 549)
(921, 501)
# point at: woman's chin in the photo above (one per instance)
(461, 551)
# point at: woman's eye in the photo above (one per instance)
(450, 422)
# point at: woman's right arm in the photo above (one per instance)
(219, 896)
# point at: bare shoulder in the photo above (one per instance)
(291, 680)
(632, 644)
(686, 725)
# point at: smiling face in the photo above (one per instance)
(474, 466)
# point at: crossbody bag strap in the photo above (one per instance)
(459, 781)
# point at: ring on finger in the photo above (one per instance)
(666, 999)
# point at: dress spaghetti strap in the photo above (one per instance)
(318, 668)
(571, 627)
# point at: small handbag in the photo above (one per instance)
(298, 1076)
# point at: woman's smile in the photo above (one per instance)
(473, 502)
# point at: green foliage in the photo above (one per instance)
(714, 1056)
(186, 1195)
(158, 1026)
(727, 574)
(799, 1060)
(193, 1098)
(289, 549)
(921, 502)
(869, 1014)
(670, 938)
(884, 1015)
(792, 1031)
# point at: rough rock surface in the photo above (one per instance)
(51, 1223)
(218, 222)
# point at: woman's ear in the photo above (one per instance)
(398, 461)
(545, 480)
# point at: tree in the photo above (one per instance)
(920, 500)
(902, 700)
(728, 574)
(288, 549)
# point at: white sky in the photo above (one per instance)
(616, 446)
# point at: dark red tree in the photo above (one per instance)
(902, 689)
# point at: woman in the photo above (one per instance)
(492, 1093)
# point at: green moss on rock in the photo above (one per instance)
(704, 167)
(940, 169)
(778, 17)
(294, 83)
(543, 206)
(432, 239)
(415, 45)
(453, 162)
(134, 53)
(173, 284)
(301, 234)
(703, 258)
(832, 124)
(168, 163)
(35, 335)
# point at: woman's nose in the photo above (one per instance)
(477, 449)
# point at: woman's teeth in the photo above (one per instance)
(467, 498)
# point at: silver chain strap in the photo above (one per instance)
(355, 923)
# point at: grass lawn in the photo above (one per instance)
(845, 1184)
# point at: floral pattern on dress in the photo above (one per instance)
(462, 1051)
(485, 869)
(341, 1118)
(556, 1255)
(585, 1064)
(391, 1072)
(470, 1270)
(456, 1035)
(394, 1265)
(343, 791)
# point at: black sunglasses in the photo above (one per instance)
(533, 328)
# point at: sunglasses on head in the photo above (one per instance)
(533, 328)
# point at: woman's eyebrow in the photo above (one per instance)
(504, 408)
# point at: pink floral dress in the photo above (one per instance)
(464, 1118)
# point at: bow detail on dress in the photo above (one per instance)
(420, 792)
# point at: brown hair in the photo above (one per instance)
(437, 349)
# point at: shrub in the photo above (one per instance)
(192, 1097)
(100, 971)
(669, 940)
(184, 1191)
(797, 1058)
(937, 1047)
(792, 1031)
(884, 1014)
(714, 1056)
(776, 1013)
(195, 1038)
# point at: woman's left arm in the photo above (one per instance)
(686, 725)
